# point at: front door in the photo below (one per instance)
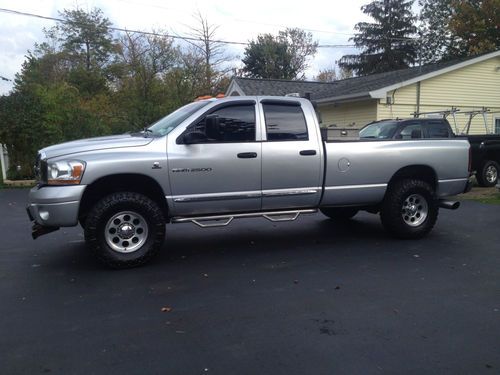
(291, 158)
(221, 172)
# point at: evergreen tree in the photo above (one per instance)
(387, 43)
(437, 42)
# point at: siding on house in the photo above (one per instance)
(349, 114)
(468, 88)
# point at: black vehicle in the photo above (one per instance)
(485, 148)
(485, 158)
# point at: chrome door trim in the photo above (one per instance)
(242, 195)
(289, 192)
(364, 186)
(215, 197)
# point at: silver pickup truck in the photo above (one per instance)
(213, 161)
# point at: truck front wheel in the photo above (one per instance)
(125, 229)
(488, 175)
(409, 210)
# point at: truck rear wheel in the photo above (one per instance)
(339, 213)
(125, 229)
(488, 175)
(409, 210)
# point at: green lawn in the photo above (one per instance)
(483, 195)
(492, 200)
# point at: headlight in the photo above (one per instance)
(66, 172)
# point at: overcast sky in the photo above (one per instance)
(331, 22)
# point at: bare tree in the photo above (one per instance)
(212, 51)
(327, 75)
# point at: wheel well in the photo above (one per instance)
(421, 172)
(122, 182)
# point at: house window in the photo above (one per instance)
(497, 125)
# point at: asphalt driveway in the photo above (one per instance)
(308, 297)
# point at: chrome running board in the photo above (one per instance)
(224, 220)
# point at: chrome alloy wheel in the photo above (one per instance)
(126, 232)
(415, 210)
(491, 174)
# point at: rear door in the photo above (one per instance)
(291, 158)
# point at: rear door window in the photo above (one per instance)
(285, 122)
(437, 129)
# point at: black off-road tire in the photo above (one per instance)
(391, 213)
(484, 177)
(114, 204)
(339, 213)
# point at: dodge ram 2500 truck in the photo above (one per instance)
(213, 161)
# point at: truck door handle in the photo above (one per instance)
(307, 152)
(247, 155)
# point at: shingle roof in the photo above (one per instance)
(357, 86)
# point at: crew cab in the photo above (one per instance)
(213, 161)
(485, 148)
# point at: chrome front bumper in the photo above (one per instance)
(55, 206)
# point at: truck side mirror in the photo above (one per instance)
(193, 137)
(212, 126)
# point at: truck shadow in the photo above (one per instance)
(248, 237)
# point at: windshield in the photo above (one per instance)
(170, 122)
(379, 130)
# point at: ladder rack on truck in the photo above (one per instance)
(444, 113)
(454, 110)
